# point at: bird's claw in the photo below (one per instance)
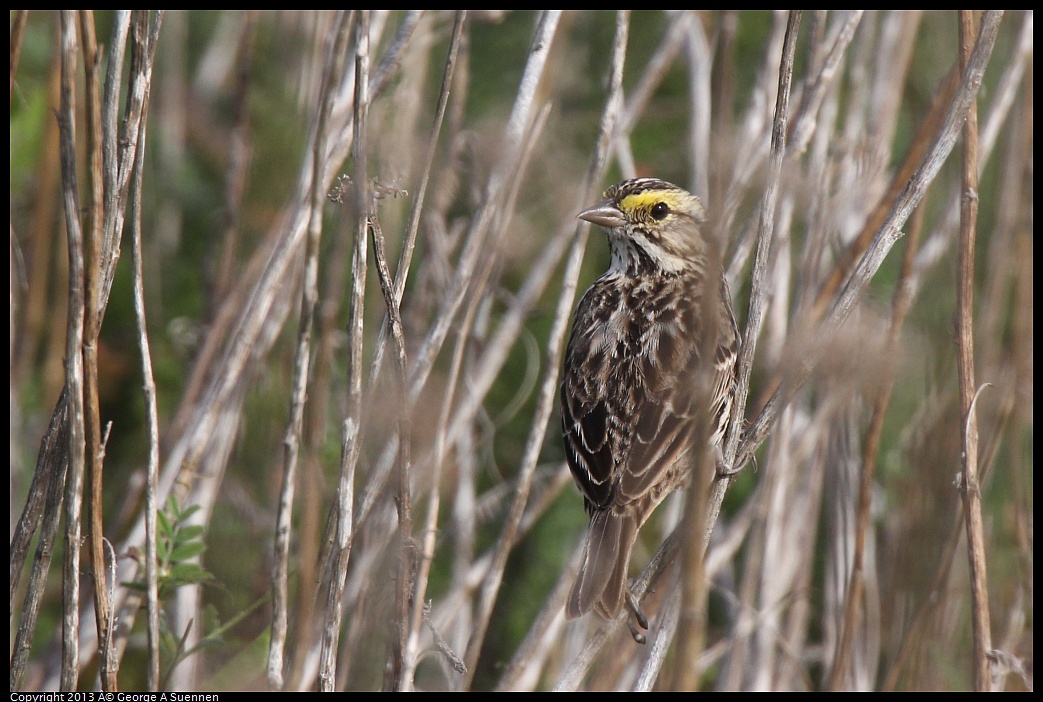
(633, 610)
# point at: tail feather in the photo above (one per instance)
(602, 578)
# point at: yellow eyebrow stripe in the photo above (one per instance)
(649, 198)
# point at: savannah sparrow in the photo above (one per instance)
(628, 391)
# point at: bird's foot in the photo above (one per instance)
(634, 612)
(723, 471)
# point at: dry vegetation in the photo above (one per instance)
(339, 253)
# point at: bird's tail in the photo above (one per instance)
(602, 578)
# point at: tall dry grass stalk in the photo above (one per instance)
(351, 263)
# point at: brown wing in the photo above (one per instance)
(664, 426)
(591, 404)
(725, 359)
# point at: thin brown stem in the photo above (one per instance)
(342, 512)
(74, 360)
(969, 33)
(407, 548)
(333, 70)
(406, 256)
(151, 419)
(759, 294)
(91, 332)
(43, 509)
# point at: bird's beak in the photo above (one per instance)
(606, 214)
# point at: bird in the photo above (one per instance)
(629, 398)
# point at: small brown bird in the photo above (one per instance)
(628, 391)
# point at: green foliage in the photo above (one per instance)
(178, 548)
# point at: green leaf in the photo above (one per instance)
(189, 533)
(165, 527)
(184, 551)
(189, 511)
(188, 574)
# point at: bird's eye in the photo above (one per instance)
(660, 211)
